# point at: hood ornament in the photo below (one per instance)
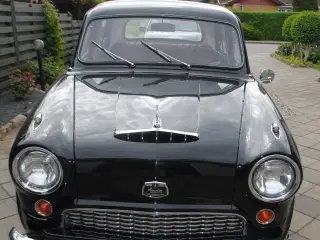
(157, 122)
(155, 189)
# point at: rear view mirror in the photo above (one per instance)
(267, 76)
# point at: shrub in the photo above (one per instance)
(54, 42)
(269, 23)
(251, 33)
(305, 5)
(285, 49)
(20, 83)
(314, 56)
(51, 69)
(306, 31)
(286, 28)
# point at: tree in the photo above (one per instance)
(305, 5)
(305, 31)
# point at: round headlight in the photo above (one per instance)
(274, 179)
(37, 170)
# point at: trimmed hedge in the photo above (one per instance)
(251, 33)
(286, 28)
(269, 23)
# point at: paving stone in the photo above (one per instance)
(301, 119)
(306, 161)
(306, 186)
(311, 175)
(313, 193)
(313, 136)
(311, 153)
(299, 220)
(3, 164)
(7, 208)
(10, 188)
(299, 132)
(311, 231)
(307, 206)
(4, 156)
(5, 176)
(3, 194)
(315, 166)
(18, 120)
(301, 148)
(297, 237)
(317, 147)
(6, 225)
(307, 142)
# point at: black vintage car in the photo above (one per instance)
(157, 131)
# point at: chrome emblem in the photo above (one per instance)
(155, 189)
(157, 122)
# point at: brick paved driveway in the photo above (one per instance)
(297, 94)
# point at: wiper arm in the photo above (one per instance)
(112, 55)
(165, 56)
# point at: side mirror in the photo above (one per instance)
(142, 29)
(267, 76)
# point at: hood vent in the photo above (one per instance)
(155, 135)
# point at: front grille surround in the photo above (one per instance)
(144, 224)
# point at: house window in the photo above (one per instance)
(241, 7)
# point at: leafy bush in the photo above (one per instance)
(54, 42)
(306, 28)
(306, 31)
(314, 56)
(285, 49)
(251, 33)
(305, 5)
(286, 28)
(20, 83)
(269, 23)
(51, 69)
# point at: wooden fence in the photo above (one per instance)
(22, 23)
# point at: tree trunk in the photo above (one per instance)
(307, 53)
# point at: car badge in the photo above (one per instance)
(157, 122)
(155, 189)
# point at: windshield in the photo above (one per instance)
(194, 42)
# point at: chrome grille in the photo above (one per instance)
(125, 224)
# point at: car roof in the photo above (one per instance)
(172, 8)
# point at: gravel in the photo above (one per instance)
(9, 107)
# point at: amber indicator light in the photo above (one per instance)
(265, 216)
(43, 208)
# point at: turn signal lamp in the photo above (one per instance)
(43, 208)
(265, 216)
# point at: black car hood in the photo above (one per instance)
(206, 114)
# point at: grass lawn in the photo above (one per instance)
(295, 61)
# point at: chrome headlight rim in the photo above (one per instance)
(287, 195)
(17, 177)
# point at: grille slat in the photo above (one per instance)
(153, 225)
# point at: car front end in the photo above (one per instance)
(186, 145)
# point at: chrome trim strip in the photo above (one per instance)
(159, 213)
(116, 132)
(283, 197)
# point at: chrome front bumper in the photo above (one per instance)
(15, 235)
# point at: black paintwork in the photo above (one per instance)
(234, 125)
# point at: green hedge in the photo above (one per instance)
(251, 33)
(269, 23)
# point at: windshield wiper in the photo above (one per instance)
(112, 55)
(165, 56)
